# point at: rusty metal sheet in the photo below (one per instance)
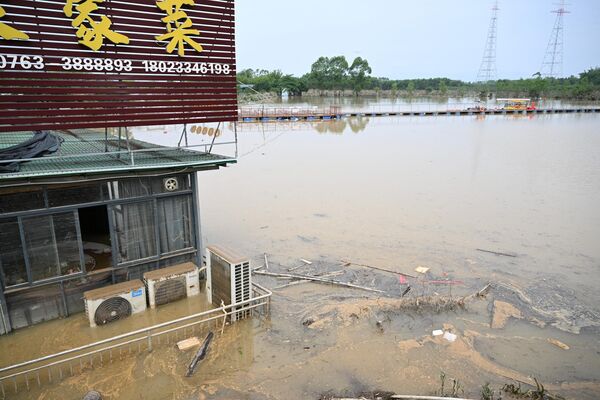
(68, 64)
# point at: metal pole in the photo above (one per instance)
(213, 139)
(186, 134)
(236, 138)
(119, 145)
(129, 148)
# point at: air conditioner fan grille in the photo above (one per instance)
(170, 290)
(111, 310)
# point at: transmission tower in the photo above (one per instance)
(487, 70)
(553, 59)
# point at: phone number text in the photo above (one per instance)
(24, 62)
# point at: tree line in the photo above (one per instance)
(336, 74)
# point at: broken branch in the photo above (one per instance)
(497, 253)
(315, 279)
(294, 283)
(346, 262)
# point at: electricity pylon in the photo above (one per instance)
(552, 66)
(487, 70)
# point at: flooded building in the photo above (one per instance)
(105, 210)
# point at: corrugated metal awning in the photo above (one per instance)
(89, 153)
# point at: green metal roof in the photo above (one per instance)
(84, 153)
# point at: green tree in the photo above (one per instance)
(319, 73)
(329, 73)
(410, 88)
(592, 76)
(443, 88)
(359, 70)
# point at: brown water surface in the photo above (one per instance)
(396, 193)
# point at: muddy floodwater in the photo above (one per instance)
(397, 193)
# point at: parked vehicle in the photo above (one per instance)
(517, 104)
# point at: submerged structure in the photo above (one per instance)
(99, 213)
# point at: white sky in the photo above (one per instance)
(413, 39)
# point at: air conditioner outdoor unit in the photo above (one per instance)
(171, 284)
(228, 279)
(114, 302)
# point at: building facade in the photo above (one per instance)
(66, 231)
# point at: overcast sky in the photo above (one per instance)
(413, 39)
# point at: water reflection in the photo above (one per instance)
(334, 126)
(359, 124)
(340, 126)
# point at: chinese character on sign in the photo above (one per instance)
(92, 35)
(8, 32)
(178, 26)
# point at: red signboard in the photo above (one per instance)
(68, 64)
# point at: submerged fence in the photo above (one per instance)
(274, 113)
(53, 368)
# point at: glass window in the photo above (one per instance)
(178, 260)
(65, 231)
(32, 306)
(81, 194)
(11, 253)
(52, 245)
(135, 231)
(23, 201)
(148, 186)
(128, 188)
(175, 220)
(39, 239)
(75, 288)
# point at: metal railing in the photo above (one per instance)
(275, 112)
(54, 367)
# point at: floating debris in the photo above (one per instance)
(502, 312)
(92, 395)
(316, 279)
(200, 355)
(188, 343)
(347, 263)
(558, 343)
(422, 270)
(497, 253)
(444, 282)
(451, 337)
